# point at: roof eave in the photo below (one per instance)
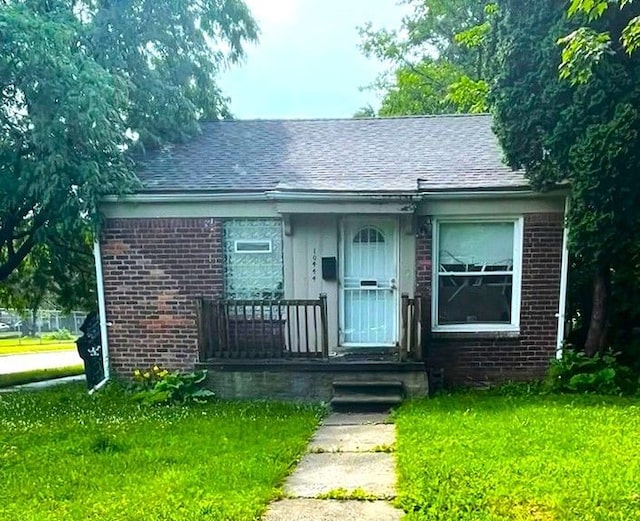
(330, 195)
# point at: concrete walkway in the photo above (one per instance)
(29, 362)
(349, 456)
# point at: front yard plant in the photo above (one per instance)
(482, 457)
(157, 385)
(66, 456)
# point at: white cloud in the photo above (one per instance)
(274, 13)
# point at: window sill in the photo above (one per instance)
(514, 333)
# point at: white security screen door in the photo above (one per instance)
(369, 282)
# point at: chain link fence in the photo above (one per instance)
(45, 322)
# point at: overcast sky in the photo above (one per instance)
(307, 63)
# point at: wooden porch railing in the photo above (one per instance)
(412, 321)
(262, 329)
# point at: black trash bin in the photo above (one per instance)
(90, 349)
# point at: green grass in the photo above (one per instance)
(480, 457)
(38, 375)
(65, 455)
(11, 346)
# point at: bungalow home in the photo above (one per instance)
(293, 257)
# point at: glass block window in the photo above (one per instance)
(253, 259)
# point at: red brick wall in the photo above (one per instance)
(469, 359)
(153, 270)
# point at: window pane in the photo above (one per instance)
(257, 273)
(482, 299)
(476, 247)
(368, 235)
(254, 246)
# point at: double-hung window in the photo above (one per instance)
(477, 266)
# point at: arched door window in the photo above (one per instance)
(368, 235)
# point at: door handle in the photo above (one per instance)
(392, 284)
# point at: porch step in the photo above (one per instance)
(367, 395)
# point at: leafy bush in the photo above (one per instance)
(602, 374)
(60, 334)
(158, 385)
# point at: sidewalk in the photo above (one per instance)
(31, 361)
(44, 384)
(349, 456)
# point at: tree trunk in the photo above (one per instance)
(34, 319)
(596, 337)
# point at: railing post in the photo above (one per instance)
(404, 313)
(324, 325)
(202, 350)
(419, 335)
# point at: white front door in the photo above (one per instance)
(369, 282)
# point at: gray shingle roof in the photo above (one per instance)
(376, 155)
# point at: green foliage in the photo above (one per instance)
(602, 374)
(60, 334)
(61, 131)
(439, 58)
(387, 448)
(365, 112)
(469, 96)
(82, 85)
(342, 494)
(108, 458)
(421, 89)
(585, 134)
(582, 48)
(159, 386)
(585, 47)
(478, 457)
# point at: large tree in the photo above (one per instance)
(587, 134)
(81, 84)
(587, 45)
(438, 58)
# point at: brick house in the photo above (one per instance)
(284, 254)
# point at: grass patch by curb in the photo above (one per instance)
(39, 375)
(25, 345)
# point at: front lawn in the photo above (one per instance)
(480, 457)
(68, 456)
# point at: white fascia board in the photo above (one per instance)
(484, 194)
(302, 196)
(185, 197)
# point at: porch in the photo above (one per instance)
(294, 331)
(280, 349)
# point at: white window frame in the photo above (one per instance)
(252, 241)
(516, 292)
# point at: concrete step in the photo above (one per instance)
(365, 398)
(371, 387)
(371, 395)
(368, 384)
